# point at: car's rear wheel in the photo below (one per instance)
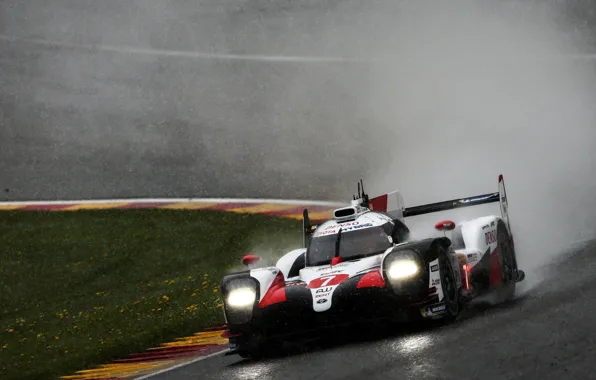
(508, 263)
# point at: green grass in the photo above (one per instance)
(78, 289)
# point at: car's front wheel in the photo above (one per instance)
(449, 287)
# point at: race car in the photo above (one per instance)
(363, 265)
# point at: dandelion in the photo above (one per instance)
(193, 295)
(219, 305)
(214, 290)
(10, 330)
(38, 335)
(57, 337)
(204, 283)
(122, 310)
(190, 277)
(165, 298)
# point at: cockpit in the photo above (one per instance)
(352, 244)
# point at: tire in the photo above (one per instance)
(450, 290)
(508, 263)
(257, 347)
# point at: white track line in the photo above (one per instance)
(182, 365)
(296, 202)
(181, 53)
(223, 56)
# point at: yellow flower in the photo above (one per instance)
(219, 305)
(5, 346)
(214, 290)
(190, 277)
(10, 330)
(193, 295)
(122, 310)
(57, 337)
(165, 298)
(39, 335)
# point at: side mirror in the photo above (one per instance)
(250, 259)
(445, 225)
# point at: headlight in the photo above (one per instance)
(242, 297)
(400, 269)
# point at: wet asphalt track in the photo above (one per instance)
(546, 333)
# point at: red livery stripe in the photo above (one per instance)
(371, 280)
(276, 292)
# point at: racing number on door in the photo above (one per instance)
(330, 280)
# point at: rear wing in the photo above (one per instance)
(452, 204)
(392, 204)
(380, 203)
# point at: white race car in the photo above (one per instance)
(363, 265)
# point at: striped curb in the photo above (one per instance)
(159, 359)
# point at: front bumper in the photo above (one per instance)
(349, 305)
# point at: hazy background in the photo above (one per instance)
(460, 91)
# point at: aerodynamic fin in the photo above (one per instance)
(307, 229)
(475, 200)
(391, 203)
(503, 201)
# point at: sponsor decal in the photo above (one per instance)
(331, 272)
(434, 268)
(436, 282)
(326, 290)
(296, 283)
(342, 225)
(485, 227)
(438, 308)
(490, 237)
(324, 295)
(433, 310)
(334, 229)
(473, 257)
(322, 300)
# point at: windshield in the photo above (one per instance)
(353, 244)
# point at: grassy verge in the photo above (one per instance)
(80, 288)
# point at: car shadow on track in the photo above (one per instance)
(364, 334)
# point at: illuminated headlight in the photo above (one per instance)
(400, 269)
(242, 297)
